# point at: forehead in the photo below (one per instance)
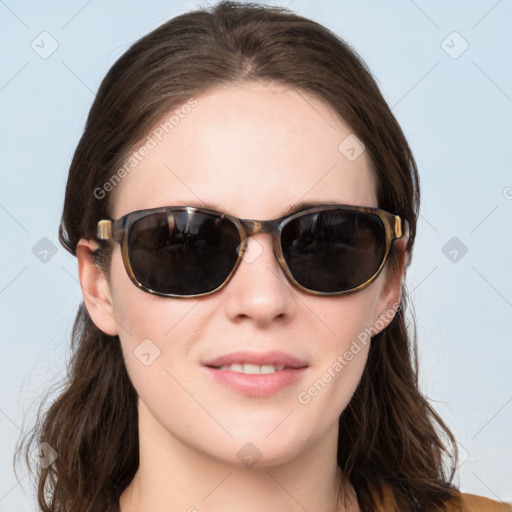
(253, 150)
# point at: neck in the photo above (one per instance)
(174, 476)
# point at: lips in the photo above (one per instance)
(269, 372)
(274, 358)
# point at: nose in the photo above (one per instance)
(259, 289)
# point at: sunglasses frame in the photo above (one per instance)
(117, 230)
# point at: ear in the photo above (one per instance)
(388, 302)
(95, 288)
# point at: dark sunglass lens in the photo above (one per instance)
(335, 250)
(182, 253)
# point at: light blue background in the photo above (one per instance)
(456, 114)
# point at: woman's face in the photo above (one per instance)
(254, 150)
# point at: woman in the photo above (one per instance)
(243, 206)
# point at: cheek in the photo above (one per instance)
(343, 320)
(341, 354)
(156, 351)
(151, 330)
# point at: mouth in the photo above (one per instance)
(252, 369)
(256, 374)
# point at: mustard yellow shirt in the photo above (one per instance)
(473, 503)
(464, 503)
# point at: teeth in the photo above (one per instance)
(252, 368)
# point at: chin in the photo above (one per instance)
(258, 451)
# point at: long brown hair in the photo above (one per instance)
(389, 435)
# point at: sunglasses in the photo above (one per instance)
(185, 251)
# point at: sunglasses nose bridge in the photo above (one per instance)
(252, 227)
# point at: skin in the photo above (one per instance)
(254, 149)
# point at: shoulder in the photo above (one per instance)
(474, 503)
